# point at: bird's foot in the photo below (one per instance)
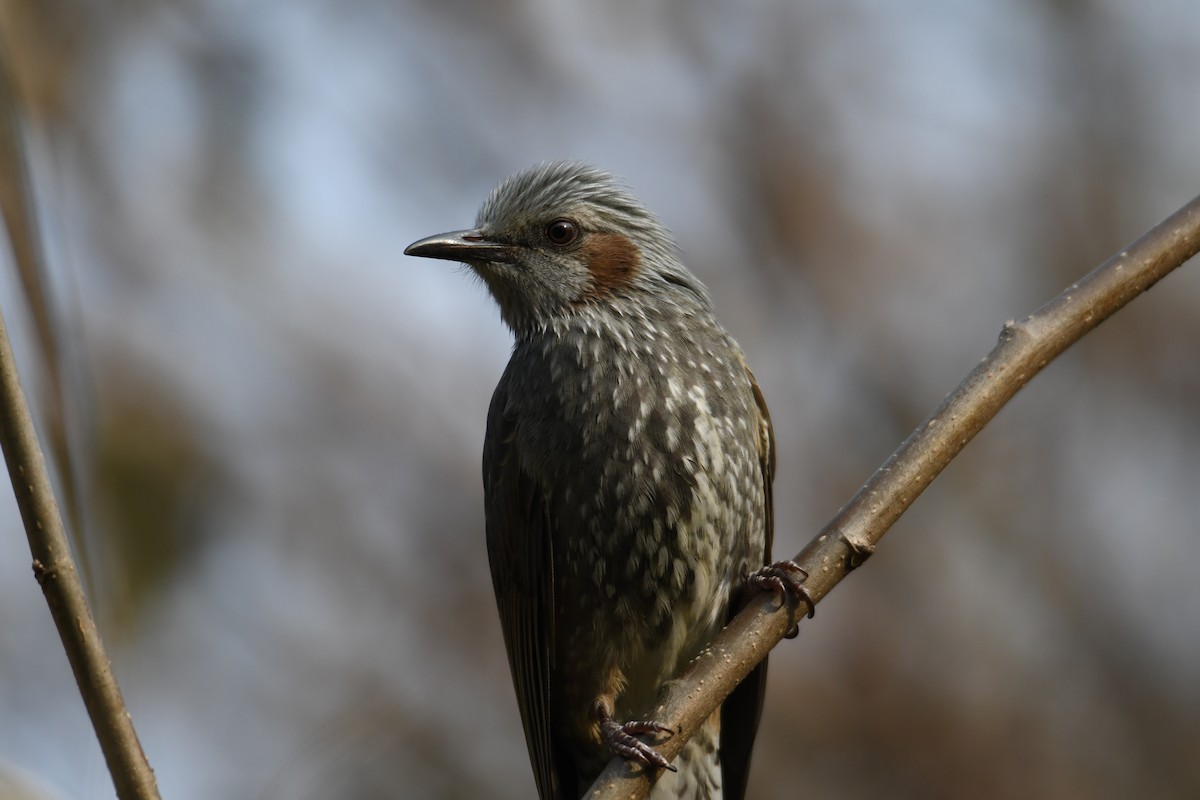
(786, 579)
(621, 739)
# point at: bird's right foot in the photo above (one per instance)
(786, 579)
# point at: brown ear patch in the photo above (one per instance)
(612, 259)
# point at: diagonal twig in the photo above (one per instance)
(1024, 349)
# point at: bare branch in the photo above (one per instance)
(55, 571)
(52, 563)
(1025, 347)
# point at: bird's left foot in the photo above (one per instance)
(621, 739)
(786, 579)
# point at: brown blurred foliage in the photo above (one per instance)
(277, 421)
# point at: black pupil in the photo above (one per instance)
(561, 232)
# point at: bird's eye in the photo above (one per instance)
(562, 232)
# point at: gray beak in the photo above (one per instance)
(461, 246)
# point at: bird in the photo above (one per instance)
(627, 466)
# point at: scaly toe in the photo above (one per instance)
(622, 740)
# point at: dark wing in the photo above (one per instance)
(741, 710)
(519, 542)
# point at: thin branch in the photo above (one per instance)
(52, 563)
(55, 571)
(1025, 347)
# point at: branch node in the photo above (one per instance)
(859, 552)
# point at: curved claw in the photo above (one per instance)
(786, 579)
(622, 740)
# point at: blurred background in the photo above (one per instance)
(274, 419)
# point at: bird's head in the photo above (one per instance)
(563, 236)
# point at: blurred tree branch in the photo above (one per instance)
(20, 222)
(53, 565)
(1024, 349)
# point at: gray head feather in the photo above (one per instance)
(595, 199)
(570, 188)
